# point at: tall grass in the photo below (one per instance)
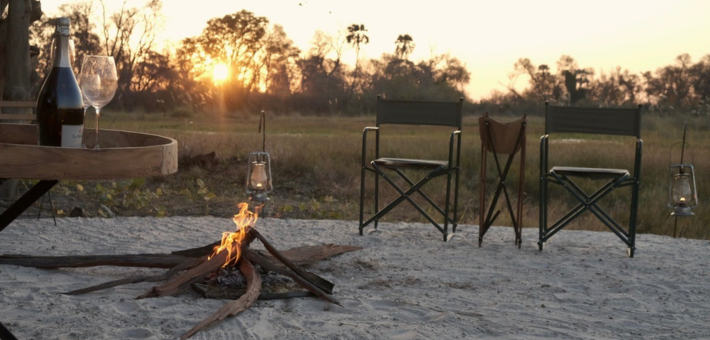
(317, 160)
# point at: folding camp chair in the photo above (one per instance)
(397, 112)
(501, 139)
(600, 121)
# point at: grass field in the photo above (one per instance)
(316, 169)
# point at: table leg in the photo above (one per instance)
(5, 334)
(24, 202)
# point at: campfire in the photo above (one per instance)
(196, 269)
(232, 242)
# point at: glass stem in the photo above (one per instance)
(98, 115)
(83, 133)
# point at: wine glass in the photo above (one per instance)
(98, 82)
(86, 134)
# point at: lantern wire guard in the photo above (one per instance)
(683, 192)
(258, 180)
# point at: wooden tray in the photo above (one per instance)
(123, 154)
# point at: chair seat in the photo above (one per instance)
(591, 173)
(405, 163)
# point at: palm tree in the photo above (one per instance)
(405, 46)
(355, 37)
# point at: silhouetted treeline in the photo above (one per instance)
(267, 71)
(681, 87)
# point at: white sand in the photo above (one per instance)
(405, 284)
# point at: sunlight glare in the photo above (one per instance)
(220, 73)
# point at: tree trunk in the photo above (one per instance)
(17, 53)
(15, 67)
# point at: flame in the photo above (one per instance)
(231, 242)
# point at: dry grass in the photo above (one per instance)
(316, 167)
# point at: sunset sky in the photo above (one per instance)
(488, 36)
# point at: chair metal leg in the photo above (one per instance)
(425, 196)
(446, 206)
(377, 198)
(406, 195)
(589, 203)
(362, 197)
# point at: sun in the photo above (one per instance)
(220, 72)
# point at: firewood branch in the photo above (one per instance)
(301, 276)
(136, 279)
(237, 306)
(130, 260)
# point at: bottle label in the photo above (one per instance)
(71, 136)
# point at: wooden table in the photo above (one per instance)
(123, 154)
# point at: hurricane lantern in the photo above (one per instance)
(258, 179)
(683, 192)
(258, 183)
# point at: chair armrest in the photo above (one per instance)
(364, 142)
(456, 133)
(543, 154)
(637, 162)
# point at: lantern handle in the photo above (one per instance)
(262, 129)
(682, 145)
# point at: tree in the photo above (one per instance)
(15, 67)
(235, 39)
(86, 41)
(405, 46)
(322, 78)
(615, 89)
(356, 37)
(279, 62)
(672, 84)
(544, 85)
(575, 79)
(700, 75)
(129, 35)
(439, 78)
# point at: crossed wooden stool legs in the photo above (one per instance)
(501, 139)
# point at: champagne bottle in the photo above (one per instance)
(60, 113)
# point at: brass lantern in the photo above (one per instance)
(258, 179)
(683, 192)
(258, 183)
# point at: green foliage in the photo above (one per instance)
(125, 194)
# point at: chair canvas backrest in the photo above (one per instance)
(505, 137)
(419, 112)
(602, 121)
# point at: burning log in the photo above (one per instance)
(182, 283)
(237, 306)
